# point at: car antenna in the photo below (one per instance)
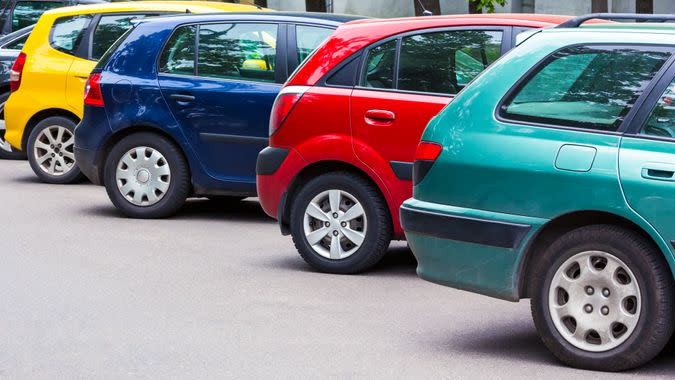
(425, 12)
(187, 11)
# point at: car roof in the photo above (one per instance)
(311, 17)
(16, 34)
(159, 6)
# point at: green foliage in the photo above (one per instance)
(486, 5)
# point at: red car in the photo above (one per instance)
(345, 127)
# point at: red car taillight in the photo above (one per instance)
(92, 91)
(283, 105)
(427, 151)
(425, 156)
(15, 73)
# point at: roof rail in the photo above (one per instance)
(577, 21)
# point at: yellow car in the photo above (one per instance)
(49, 76)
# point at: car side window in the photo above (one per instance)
(108, 30)
(661, 121)
(308, 38)
(237, 51)
(17, 44)
(445, 62)
(178, 56)
(380, 63)
(27, 13)
(67, 32)
(585, 87)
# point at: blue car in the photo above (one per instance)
(180, 106)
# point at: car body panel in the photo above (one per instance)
(59, 77)
(493, 169)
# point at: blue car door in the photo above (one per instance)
(220, 81)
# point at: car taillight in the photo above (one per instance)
(283, 105)
(15, 73)
(425, 156)
(92, 91)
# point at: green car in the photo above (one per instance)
(552, 177)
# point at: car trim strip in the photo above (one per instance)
(464, 229)
(233, 139)
(402, 169)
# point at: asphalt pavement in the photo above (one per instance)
(219, 293)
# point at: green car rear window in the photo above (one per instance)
(585, 87)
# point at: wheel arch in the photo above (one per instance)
(561, 225)
(312, 171)
(38, 117)
(133, 129)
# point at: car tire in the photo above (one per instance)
(146, 176)
(7, 152)
(50, 151)
(617, 292)
(345, 252)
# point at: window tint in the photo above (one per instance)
(237, 51)
(178, 56)
(67, 32)
(27, 13)
(17, 44)
(661, 121)
(309, 38)
(108, 30)
(380, 66)
(585, 87)
(445, 62)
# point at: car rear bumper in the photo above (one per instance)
(468, 249)
(86, 161)
(91, 135)
(276, 168)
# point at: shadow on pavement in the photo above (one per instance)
(519, 342)
(202, 209)
(399, 261)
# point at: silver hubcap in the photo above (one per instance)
(53, 150)
(594, 301)
(143, 176)
(335, 224)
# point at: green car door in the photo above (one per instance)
(647, 162)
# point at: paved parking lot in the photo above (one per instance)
(217, 293)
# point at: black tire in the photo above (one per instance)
(73, 174)
(6, 151)
(377, 235)
(179, 182)
(655, 324)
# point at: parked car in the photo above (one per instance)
(182, 107)
(18, 14)
(55, 63)
(344, 128)
(10, 47)
(553, 178)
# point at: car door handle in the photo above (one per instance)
(380, 117)
(182, 98)
(659, 172)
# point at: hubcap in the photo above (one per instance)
(53, 150)
(143, 176)
(335, 224)
(594, 301)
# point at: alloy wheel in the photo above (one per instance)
(143, 176)
(335, 224)
(53, 150)
(594, 301)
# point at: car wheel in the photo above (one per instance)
(146, 176)
(340, 223)
(6, 150)
(50, 151)
(604, 299)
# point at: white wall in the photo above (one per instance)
(568, 7)
(287, 5)
(390, 8)
(664, 6)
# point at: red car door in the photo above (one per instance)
(405, 81)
